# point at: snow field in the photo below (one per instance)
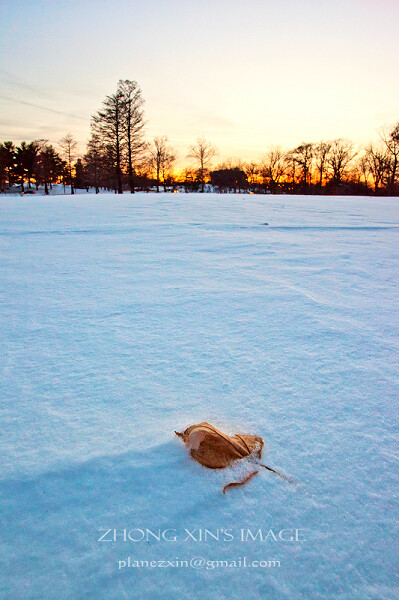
(125, 318)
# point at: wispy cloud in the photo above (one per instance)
(41, 107)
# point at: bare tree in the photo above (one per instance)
(162, 158)
(378, 162)
(188, 177)
(321, 155)
(203, 153)
(390, 139)
(364, 169)
(133, 125)
(251, 170)
(68, 147)
(291, 170)
(167, 165)
(274, 166)
(341, 154)
(303, 156)
(233, 163)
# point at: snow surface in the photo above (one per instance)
(125, 318)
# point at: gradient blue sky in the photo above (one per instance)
(245, 74)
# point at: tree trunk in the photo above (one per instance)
(130, 168)
(118, 170)
(129, 152)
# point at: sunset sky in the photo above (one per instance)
(244, 74)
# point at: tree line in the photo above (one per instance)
(119, 158)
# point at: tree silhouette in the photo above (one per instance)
(303, 156)
(7, 164)
(108, 125)
(132, 124)
(321, 153)
(251, 170)
(68, 147)
(391, 141)
(341, 154)
(226, 178)
(49, 165)
(274, 167)
(94, 162)
(377, 161)
(203, 153)
(161, 158)
(80, 175)
(119, 126)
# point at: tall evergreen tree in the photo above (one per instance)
(108, 125)
(49, 166)
(94, 162)
(119, 125)
(133, 125)
(80, 176)
(26, 155)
